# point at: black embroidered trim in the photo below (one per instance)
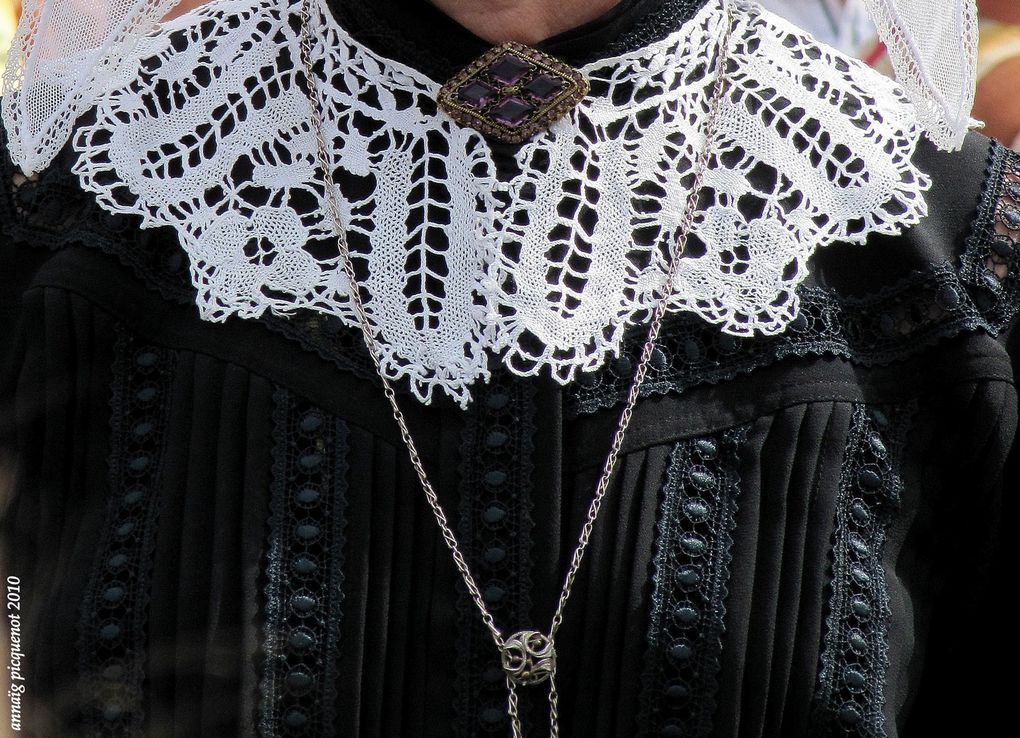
(850, 692)
(988, 266)
(112, 630)
(304, 571)
(496, 467)
(697, 515)
(983, 293)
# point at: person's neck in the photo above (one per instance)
(525, 21)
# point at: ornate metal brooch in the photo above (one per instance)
(512, 92)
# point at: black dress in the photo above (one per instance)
(217, 531)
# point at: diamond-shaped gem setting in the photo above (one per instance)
(512, 92)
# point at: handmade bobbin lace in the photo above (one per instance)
(546, 267)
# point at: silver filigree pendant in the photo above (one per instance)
(529, 657)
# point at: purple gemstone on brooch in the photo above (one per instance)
(544, 87)
(509, 69)
(512, 112)
(476, 93)
(512, 92)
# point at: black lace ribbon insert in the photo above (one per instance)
(495, 529)
(304, 571)
(112, 631)
(854, 659)
(697, 516)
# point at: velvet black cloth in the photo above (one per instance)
(217, 531)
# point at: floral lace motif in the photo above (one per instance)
(112, 632)
(981, 293)
(495, 527)
(696, 519)
(304, 571)
(854, 659)
(544, 266)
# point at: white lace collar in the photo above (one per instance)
(544, 269)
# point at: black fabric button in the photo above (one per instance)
(303, 603)
(308, 496)
(110, 631)
(496, 438)
(947, 297)
(860, 607)
(677, 692)
(1013, 190)
(692, 351)
(295, 719)
(859, 545)
(112, 712)
(687, 615)
(493, 514)
(857, 641)
(495, 554)
(304, 566)
(702, 479)
(689, 576)
(307, 531)
(693, 545)
(860, 576)
(855, 680)
(870, 478)
(494, 594)
(860, 512)
(117, 561)
(146, 359)
(696, 509)
(146, 394)
(1010, 217)
(299, 681)
(125, 529)
(495, 477)
(311, 422)
(671, 731)
(113, 595)
(706, 448)
(139, 463)
(113, 672)
(658, 359)
(1004, 247)
(134, 496)
(849, 715)
(497, 401)
(301, 639)
(141, 430)
(310, 461)
(877, 445)
(681, 651)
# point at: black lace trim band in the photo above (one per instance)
(496, 452)
(854, 659)
(304, 571)
(112, 631)
(697, 516)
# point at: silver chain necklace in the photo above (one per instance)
(527, 656)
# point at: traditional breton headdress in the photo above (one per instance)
(837, 136)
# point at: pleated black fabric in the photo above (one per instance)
(217, 530)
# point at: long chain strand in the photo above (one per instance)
(375, 352)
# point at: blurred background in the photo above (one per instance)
(845, 25)
(8, 19)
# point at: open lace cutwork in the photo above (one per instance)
(544, 266)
